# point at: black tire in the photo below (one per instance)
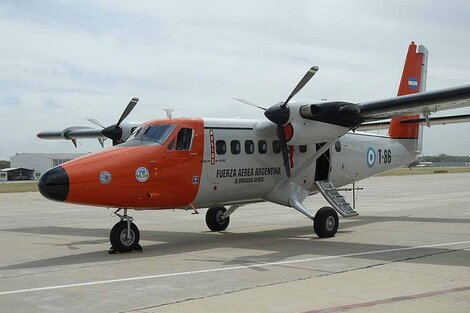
(326, 222)
(118, 240)
(214, 219)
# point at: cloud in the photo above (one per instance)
(64, 61)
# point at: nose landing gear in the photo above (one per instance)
(124, 235)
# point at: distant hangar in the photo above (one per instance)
(41, 162)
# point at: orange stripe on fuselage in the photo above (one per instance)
(411, 74)
(173, 179)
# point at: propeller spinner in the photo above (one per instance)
(114, 132)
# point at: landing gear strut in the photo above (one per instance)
(124, 236)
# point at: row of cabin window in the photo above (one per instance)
(235, 147)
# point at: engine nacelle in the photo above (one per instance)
(127, 130)
(321, 122)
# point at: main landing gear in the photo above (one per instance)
(326, 222)
(124, 236)
(215, 218)
(218, 218)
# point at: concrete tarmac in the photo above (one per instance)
(408, 251)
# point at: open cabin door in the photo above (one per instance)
(323, 165)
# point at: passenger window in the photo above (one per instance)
(220, 147)
(183, 140)
(303, 148)
(338, 146)
(276, 146)
(262, 146)
(249, 147)
(235, 147)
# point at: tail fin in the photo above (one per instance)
(413, 80)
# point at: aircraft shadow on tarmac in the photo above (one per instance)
(284, 243)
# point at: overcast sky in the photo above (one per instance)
(64, 61)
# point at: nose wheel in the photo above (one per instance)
(124, 235)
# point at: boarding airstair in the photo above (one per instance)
(335, 199)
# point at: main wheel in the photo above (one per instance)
(121, 241)
(214, 219)
(326, 222)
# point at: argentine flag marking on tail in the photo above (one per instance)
(412, 83)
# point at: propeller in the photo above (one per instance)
(279, 114)
(114, 132)
(248, 102)
(93, 121)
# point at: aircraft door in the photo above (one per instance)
(183, 165)
(323, 165)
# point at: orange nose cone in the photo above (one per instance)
(54, 184)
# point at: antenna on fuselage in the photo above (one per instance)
(169, 113)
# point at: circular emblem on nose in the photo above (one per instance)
(142, 174)
(105, 177)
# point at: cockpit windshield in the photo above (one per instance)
(150, 134)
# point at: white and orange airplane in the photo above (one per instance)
(302, 148)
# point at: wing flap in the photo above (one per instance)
(432, 121)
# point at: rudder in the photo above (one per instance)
(413, 80)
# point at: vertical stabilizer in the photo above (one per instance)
(413, 80)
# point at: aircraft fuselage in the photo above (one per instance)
(207, 162)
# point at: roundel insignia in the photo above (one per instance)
(142, 174)
(105, 177)
(370, 157)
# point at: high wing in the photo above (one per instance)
(443, 120)
(118, 132)
(353, 115)
(419, 103)
(74, 132)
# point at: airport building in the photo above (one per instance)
(16, 173)
(41, 162)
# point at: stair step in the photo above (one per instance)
(335, 199)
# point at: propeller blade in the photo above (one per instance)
(302, 83)
(248, 102)
(93, 121)
(128, 110)
(285, 151)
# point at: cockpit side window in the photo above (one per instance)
(184, 138)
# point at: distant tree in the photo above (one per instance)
(444, 158)
(4, 164)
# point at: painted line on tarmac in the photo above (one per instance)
(348, 307)
(224, 269)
